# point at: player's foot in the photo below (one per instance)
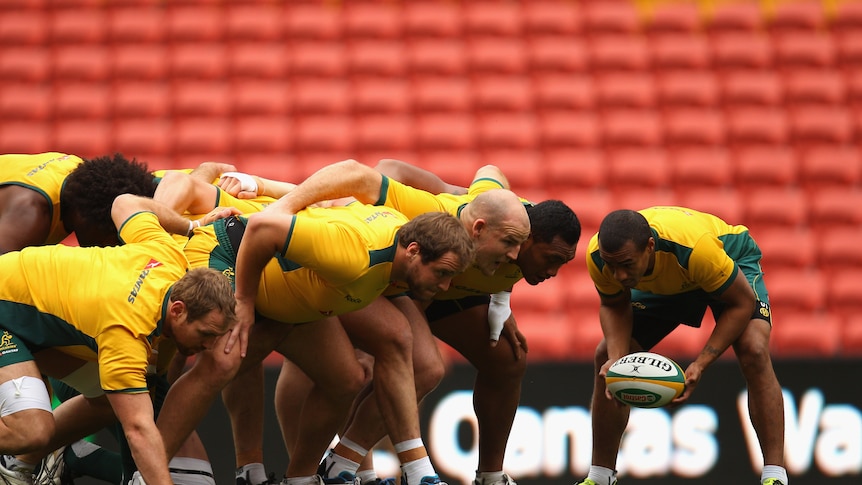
(343, 477)
(52, 470)
(432, 480)
(772, 481)
(12, 475)
(502, 481)
(587, 481)
(242, 479)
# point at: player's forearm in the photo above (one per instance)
(149, 454)
(348, 178)
(616, 323)
(491, 172)
(728, 328)
(262, 239)
(210, 171)
(184, 193)
(416, 177)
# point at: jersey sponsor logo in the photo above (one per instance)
(140, 281)
(377, 214)
(6, 344)
(42, 166)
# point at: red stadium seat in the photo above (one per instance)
(831, 206)
(590, 204)
(625, 168)
(210, 136)
(524, 168)
(573, 167)
(144, 62)
(848, 48)
(82, 100)
(723, 202)
(25, 137)
(844, 292)
(201, 98)
(267, 60)
(195, 23)
(78, 25)
(324, 133)
(765, 166)
(496, 54)
(641, 197)
(318, 58)
(377, 57)
(131, 24)
(261, 22)
(851, 336)
(754, 87)
(141, 99)
(847, 17)
(542, 17)
(23, 27)
(442, 93)
(446, 56)
(775, 206)
(84, 62)
(685, 342)
(838, 248)
(555, 53)
(548, 334)
(432, 19)
(795, 289)
(814, 86)
(453, 166)
(830, 166)
(199, 61)
(489, 17)
(563, 91)
(619, 52)
(798, 16)
(372, 20)
(617, 17)
(688, 88)
(811, 49)
(446, 131)
(85, 138)
(626, 90)
(733, 17)
(805, 335)
(680, 51)
(757, 125)
(624, 127)
(273, 166)
(384, 132)
(261, 134)
(260, 97)
(312, 21)
(516, 130)
(821, 124)
(143, 138)
(694, 126)
(742, 50)
(320, 95)
(695, 167)
(380, 95)
(549, 296)
(502, 92)
(569, 128)
(674, 18)
(783, 247)
(26, 101)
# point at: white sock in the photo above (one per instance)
(352, 445)
(312, 480)
(15, 464)
(774, 471)
(489, 477)
(366, 476)
(334, 464)
(417, 469)
(256, 472)
(601, 475)
(191, 471)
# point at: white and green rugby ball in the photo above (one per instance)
(645, 380)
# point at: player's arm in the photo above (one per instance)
(135, 413)
(126, 205)
(24, 219)
(417, 177)
(245, 186)
(347, 178)
(209, 171)
(616, 319)
(183, 192)
(265, 235)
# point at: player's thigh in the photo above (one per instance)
(324, 352)
(425, 348)
(467, 331)
(378, 327)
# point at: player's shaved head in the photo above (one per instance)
(499, 207)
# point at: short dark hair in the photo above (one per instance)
(438, 233)
(204, 290)
(622, 226)
(552, 218)
(90, 189)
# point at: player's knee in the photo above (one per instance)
(601, 355)
(217, 368)
(752, 358)
(428, 373)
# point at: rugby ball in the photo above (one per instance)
(645, 380)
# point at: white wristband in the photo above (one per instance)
(499, 311)
(246, 181)
(192, 225)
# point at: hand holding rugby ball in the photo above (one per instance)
(645, 380)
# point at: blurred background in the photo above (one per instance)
(751, 110)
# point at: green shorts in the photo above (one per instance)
(13, 350)
(655, 316)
